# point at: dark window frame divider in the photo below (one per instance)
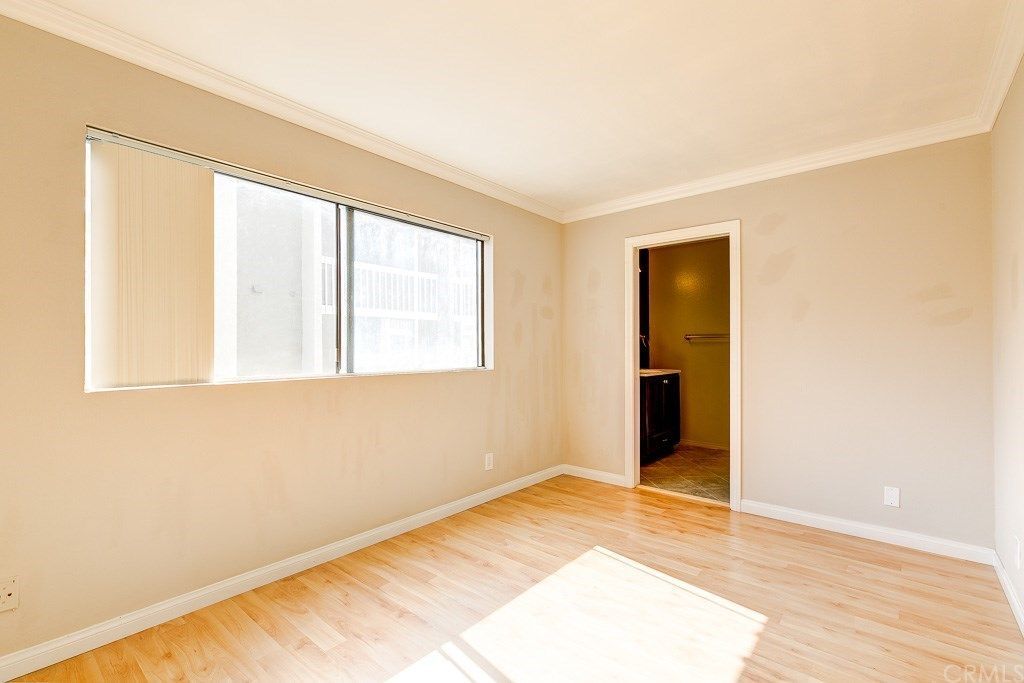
(350, 291)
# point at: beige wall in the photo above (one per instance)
(866, 313)
(867, 316)
(690, 295)
(1008, 291)
(114, 501)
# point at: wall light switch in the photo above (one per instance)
(891, 496)
(488, 461)
(9, 594)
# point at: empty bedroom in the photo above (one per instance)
(512, 341)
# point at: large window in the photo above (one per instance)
(202, 272)
(416, 297)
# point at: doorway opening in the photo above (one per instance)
(682, 362)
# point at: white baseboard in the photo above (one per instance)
(907, 539)
(1011, 593)
(595, 475)
(36, 657)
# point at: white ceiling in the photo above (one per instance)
(573, 108)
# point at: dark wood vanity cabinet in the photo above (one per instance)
(659, 415)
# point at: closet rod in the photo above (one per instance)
(698, 337)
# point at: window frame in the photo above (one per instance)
(344, 296)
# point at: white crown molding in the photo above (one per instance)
(1005, 60)
(950, 130)
(91, 33)
(1006, 57)
(55, 19)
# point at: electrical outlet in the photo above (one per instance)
(9, 594)
(1017, 538)
(891, 496)
(488, 461)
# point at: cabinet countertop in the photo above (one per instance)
(657, 372)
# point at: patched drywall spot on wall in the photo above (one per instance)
(593, 280)
(547, 313)
(770, 223)
(800, 308)
(954, 317)
(936, 292)
(546, 287)
(937, 304)
(776, 266)
(1014, 282)
(518, 283)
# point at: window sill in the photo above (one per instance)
(301, 378)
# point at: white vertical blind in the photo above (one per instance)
(151, 268)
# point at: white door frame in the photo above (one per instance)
(730, 229)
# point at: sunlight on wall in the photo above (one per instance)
(688, 282)
(602, 616)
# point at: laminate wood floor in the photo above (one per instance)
(575, 580)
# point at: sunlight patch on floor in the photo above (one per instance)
(601, 616)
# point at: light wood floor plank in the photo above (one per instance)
(571, 579)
